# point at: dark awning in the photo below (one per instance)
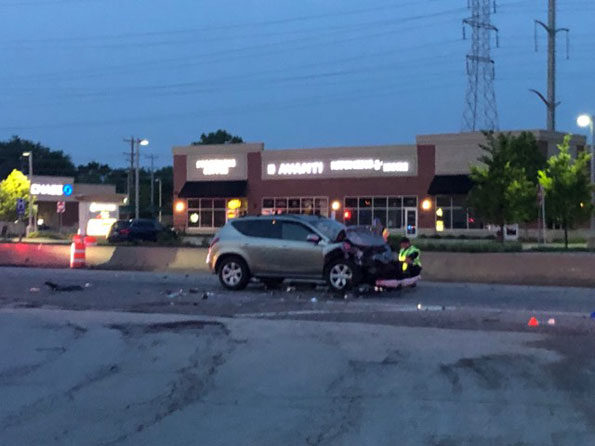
(218, 189)
(450, 185)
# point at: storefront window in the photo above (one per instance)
(410, 202)
(209, 212)
(362, 211)
(454, 213)
(459, 218)
(365, 203)
(351, 203)
(297, 205)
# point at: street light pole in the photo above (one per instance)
(135, 144)
(160, 204)
(136, 184)
(30, 204)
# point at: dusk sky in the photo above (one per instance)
(80, 75)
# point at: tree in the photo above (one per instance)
(45, 160)
(15, 186)
(218, 137)
(503, 190)
(567, 188)
(93, 173)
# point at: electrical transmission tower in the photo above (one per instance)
(552, 31)
(481, 112)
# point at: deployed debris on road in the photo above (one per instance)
(421, 307)
(67, 288)
(174, 294)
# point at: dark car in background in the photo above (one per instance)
(142, 229)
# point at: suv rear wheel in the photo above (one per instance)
(342, 275)
(233, 273)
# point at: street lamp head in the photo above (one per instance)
(584, 120)
(144, 142)
(26, 153)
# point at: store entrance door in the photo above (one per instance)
(411, 222)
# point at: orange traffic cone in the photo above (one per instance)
(533, 322)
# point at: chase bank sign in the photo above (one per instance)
(55, 190)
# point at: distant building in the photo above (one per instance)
(92, 208)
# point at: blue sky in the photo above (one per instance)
(80, 75)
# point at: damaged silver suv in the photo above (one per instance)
(274, 248)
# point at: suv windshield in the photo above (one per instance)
(329, 228)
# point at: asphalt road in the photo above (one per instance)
(155, 359)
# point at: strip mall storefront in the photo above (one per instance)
(355, 184)
(412, 189)
(65, 205)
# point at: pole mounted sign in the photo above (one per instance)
(60, 207)
(21, 207)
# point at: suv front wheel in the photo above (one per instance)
(342, 275)
(233, 273)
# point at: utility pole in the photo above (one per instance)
(552, 31)
(130, 160)
(152, 157)
(481, 112)
(135, 144)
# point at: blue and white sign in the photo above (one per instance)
(56, 190)
(21, 207)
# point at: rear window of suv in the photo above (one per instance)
(265, 228)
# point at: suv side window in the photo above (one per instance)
(262, 228)
(294, 231)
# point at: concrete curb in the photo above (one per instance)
(556, 269)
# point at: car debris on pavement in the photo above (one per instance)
(66, 288)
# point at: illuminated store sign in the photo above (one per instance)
(216, 166)
(340, 165)
(309, 168)
(103, 207)
(370, 164)
(56, 190)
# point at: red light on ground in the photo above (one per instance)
(347, 215)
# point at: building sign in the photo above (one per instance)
(307, 168)
(336, 167)
(216, 166)
(103, 207)
(56, 190)
(369, 165)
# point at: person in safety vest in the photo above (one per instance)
(409, 259)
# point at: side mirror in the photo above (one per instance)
(313, 238)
